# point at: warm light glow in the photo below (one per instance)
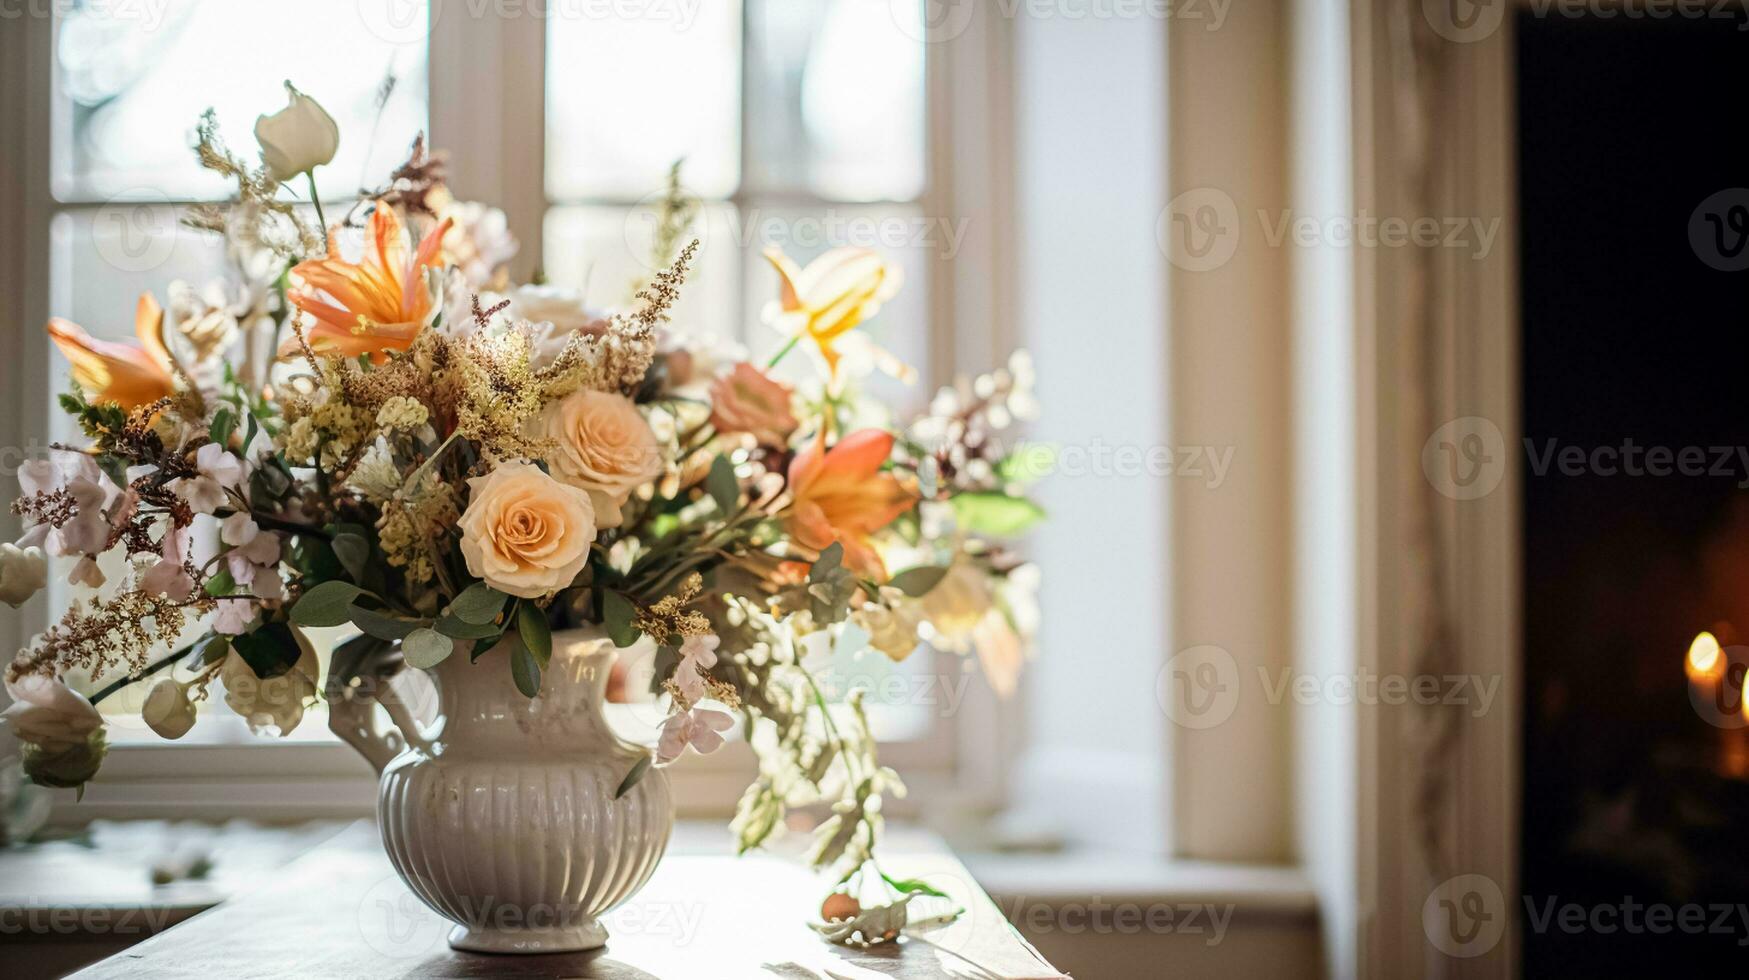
(1705, 659)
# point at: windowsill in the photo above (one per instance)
(1112, 876)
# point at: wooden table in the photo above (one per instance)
(342, 912)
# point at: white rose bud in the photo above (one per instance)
(167, 710)
(23, 573)
(298, 138)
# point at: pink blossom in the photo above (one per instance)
(88, 531)
(86, 572)
(167, 577)
(697, 654)
(233, 617)
(700, 728)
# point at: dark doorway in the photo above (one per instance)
(1634, 133)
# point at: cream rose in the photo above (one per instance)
(23, 573)
(298, 138)
(525, 533)
(605, 448)
(47, 713)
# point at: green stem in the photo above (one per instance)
(793, 341)
(142, 675)
(316, 199)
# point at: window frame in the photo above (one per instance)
(487, 91)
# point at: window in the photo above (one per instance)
(800, 125)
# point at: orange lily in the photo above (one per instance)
(121, 374)
(841, 495)
(829, 298)
(377, 304)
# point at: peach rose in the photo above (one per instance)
(745, 400)
(525, 533)
(605, 448)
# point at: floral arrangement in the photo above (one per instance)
(372, 426)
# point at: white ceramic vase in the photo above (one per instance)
(502, 816)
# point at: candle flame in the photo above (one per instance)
(1705, 659)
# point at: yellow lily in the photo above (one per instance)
(377, 304)
(829, 298)
(121, 374)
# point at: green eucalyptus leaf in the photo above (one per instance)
(525, 670)
(636, 774)
(353, 550)
(223, 424)
(916, 582)
(455, 628)
(617, 613)
(722, 485)
(996, 514)
(479, 604)
(911, 886)
(382, 625)
(531, 625)
(426, 648)
(221, 582)
(327, 604)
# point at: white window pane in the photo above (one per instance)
(605, 251)
(835, 100)
(902, 234)
(136, 77)
(627, 96)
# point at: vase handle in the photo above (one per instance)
(352, 716)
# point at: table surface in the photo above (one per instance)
(342, 912)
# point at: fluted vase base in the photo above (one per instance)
(571, 939)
